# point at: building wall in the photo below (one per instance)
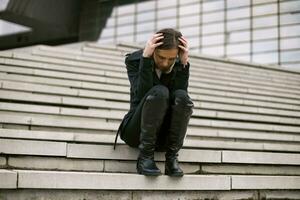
(262, 31)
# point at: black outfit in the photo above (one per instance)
(160, 109)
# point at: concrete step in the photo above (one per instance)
(124, 166)
(201, 141)
(84, 82)
(10, 178)
(88, 76)
(228, 88)
(10, 85)
(119, 75)
(122, 68)
(61, 53)
(251, 82)
(30, 60)
(105, 51)
(106, 55)
(32, 147)
(93, 70)
(260, 158)
(102, 181)
(237, 66)
(57, 163)
(70, 52)
(265, 182)
(117, 114)
(111, 181)
(231, 87)
(198, 70)
(250, 169)
(57, 121)
(123, 152)
(229, 63)
(102, 124)
(268, 72)
(240, 134)
(239, 144)
(243, 125)
(247, 96)
(89, 165)
(247, 109)
(186, 155)
(243, 130)
(229, 83)
(65, 91)
(208, 102)
(254, 76)
(119, 46)
(38, 194)
(107, 137)
(3, 161)
(110, 64)
(204, 83)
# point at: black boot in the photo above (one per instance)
(180, 116)
(153, 113)
(172, 166)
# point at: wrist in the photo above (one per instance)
(146, 54)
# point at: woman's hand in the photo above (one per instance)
(184, 51)
(151, 44)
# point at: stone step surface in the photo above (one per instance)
(116, 114)
(32, 147)
(8, 179)
(121, 181)
(212, 102)
(66, 56)
(48, 52)
(60, 109)
(229, 74)
(93, 151)
(102, 124)
(248, 169)
(200, 87)
(129, 166)
(227, 67)
(108, 137)
(265, 182)
(258, 90)
(115, 181)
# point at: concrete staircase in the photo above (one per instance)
(60, 108)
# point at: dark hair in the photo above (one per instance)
(170, 40)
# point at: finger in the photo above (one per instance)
(157, 35)
(182, 37)
(158, 38)
(157, 44)
(182, 47)
(183, 42)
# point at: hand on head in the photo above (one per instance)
(152, 43)
(184, 53)
(157, 40)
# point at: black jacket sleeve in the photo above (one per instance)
(139, 70)
(182, 77)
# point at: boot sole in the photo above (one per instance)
(150, 174)
(174, 174)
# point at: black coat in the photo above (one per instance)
(142, 78)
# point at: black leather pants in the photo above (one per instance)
(173, 112)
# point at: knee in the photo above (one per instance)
(182, 98)
(159, 92)
(158, 99)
